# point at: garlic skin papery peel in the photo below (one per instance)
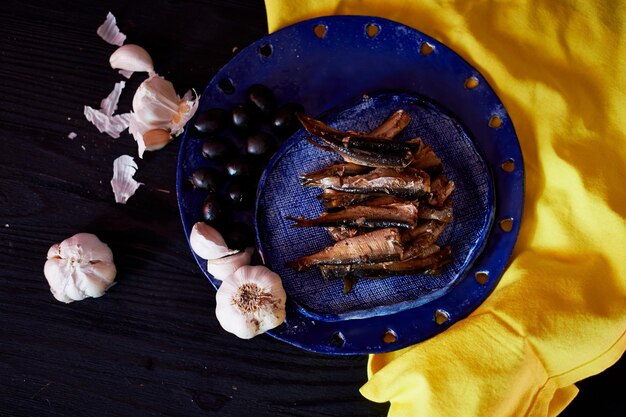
(251, 302)
(123, 183)
(79, 267)
(109, 31)
(157, 106)
(208, 243)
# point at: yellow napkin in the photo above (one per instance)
(559, 313)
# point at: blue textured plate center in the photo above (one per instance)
(280, 195)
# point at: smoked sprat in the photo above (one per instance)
(386, 204)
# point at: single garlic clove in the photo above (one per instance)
(132, 58)
(251, 302)
(208, 243)
(223, 268)
(79, 267)
(156, 139)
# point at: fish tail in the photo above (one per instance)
(301, 222)
(297, 265)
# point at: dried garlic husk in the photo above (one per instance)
(79, 267)
(104, 119)
(132, 58)
(109, 31)
(108, 105)
(251, 301)
(223, 268)
(111, 125)
(208, 243)
(123, 183)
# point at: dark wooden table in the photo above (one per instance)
(152, 345)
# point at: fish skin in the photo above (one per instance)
(412, 266)
(444, 214)
(393, 215)
(391, 127)
(405, 183)
(376, 246)
(336, 170)
(361, 150)
(338, 233)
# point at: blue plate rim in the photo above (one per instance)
(318, 341)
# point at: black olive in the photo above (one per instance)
(239, 167)
(259, 144)
(206, 179)
(263, 98)
(212, 209)
(286, 121)
(239, 236)
(245, 118)
(217, 148)
(240, 191)
(211, 120)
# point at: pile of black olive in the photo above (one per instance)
(237, 145)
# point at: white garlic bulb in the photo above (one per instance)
(251, 301)
(208, 243)
(222, 268)
(79, 267)
(157, 106)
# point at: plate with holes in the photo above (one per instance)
(352, 72)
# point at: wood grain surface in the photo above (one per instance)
(152, 345)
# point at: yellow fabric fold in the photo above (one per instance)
(558, 314)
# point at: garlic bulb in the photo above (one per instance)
(208, 243)
(79, 267)
(223, 268)
(157, 106)
(132, 58)
(251, 301)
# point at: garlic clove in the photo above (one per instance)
(251, 302)
(156, 139)
(208, 243)
(223, 268)
(123, 183)
(132, 58)
(79, 267)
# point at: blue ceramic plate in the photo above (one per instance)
(352, 72)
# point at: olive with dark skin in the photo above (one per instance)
(211, 120)
(217, 148)
(263, 99)
(239, 167)
(259, 144)
(245, 118)
(239, 236)
(206, 179)
(286, 121)
(240, 191)
(212, 209)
